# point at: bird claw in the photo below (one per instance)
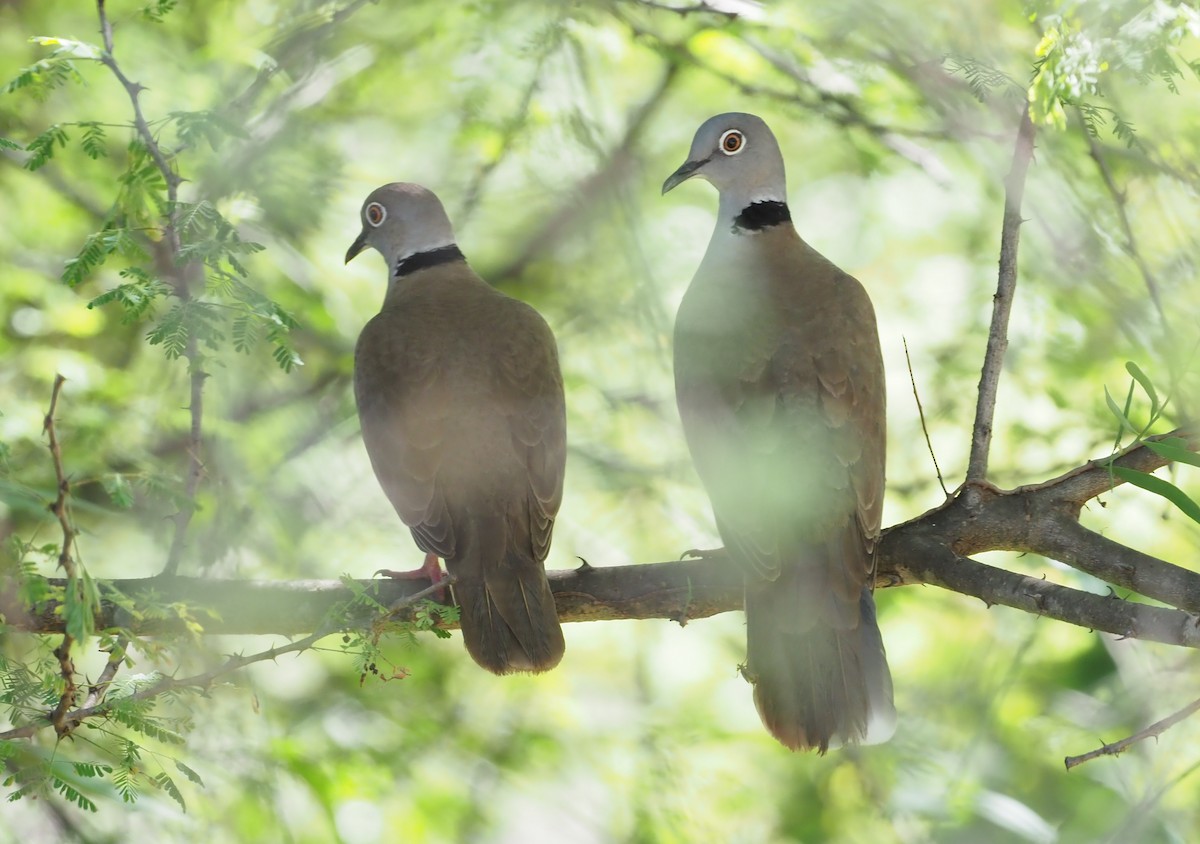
(702, 553)
(430, 570)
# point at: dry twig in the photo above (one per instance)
(997, 345)
(66, 666)
(1153, 731)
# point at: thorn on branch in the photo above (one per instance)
(1153, 731)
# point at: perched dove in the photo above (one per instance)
(461, 402)
(779, 381)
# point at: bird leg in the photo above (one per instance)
(703, 554)
(430, 570)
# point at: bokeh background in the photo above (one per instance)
(547, 129)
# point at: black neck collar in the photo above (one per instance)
(762, 215)
(431, 258)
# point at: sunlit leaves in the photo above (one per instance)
(41, 78)
(1071, 63)
(68, 47)
(158, 10)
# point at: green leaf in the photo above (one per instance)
(167, 784)
(80, 602)
(41, 148)
(118, 490)
(1144, 380)
(68, 791)
(1116, 411)
(137, 297)
(1160, 487)
(68, 47)
(1175, 450)
(171, 332)
(158, 10)
(93, 140)
(43, 77)
(189, 773)
(91, 769)
(5, 143)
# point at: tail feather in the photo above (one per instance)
(508, 618)
(816, 686)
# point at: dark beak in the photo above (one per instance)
(684, 173)
(357, 246)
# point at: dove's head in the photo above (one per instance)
(737, 153)
(401, 220)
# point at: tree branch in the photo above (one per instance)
(199, 681)
(1119, 202)
(181, 283)
(1153, 731)
(932, 549)
(1010, 235)
(581, 196)
(66, 666)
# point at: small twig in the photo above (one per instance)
(96, 705)
(60, 506)
(1130, 245)
(198, 681)
(1153, 731)
(512, 129)
(921, 412)
(181, 287)
(195, 458)
(116, 656)
(66, 666)
(1010, 234)
(582, 195)
(695, 8)
(409, 600)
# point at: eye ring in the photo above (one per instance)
(375, 214)
(732, 142)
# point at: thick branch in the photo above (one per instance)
(1006, 285)
(932, 549)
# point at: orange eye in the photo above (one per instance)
(732, 142)
(376, 214)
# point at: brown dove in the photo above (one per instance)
(461, 401)
(779, 382)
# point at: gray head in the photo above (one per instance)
(402, 219)
(737, 153)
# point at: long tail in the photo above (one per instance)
(508, 618)
(817, 686)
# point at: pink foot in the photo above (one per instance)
(430, 570)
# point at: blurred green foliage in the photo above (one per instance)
(547, 128)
